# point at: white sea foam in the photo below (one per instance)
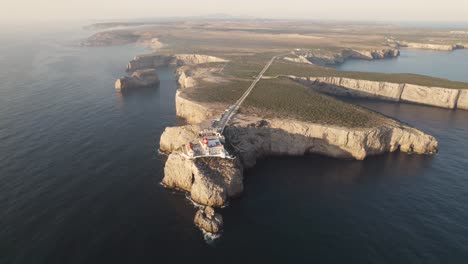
(210, 238)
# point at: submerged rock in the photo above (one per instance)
(208, 220)
(139, 79)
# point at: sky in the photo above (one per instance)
(366, 10)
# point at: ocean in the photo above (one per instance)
(80, 174)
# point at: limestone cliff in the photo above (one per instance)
(463, 100)
(441, 47)
(139, 79)
(193, 112)
(319, 58)
(184, 78)
(433, 96)
(210, 181)
(208, 220)
(174, 137)
(154, 61)
(257, 138)
(299, 59)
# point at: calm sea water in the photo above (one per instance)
(443, 64)
(79, 178)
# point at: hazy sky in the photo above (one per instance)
(388, 10)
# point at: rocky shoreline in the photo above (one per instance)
(319, 58)
(212, 182)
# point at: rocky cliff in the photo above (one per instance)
(433, 96)
(340, 57)
(210, 181)
(463, 100)
(193, 112)
(441, 47)
(254, 138)
(139, 79)
(299, 59)
(260, 138)
(154, 61)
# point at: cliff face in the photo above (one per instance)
(210, 181)
(174, 137)
(154, 61)
(440, 97)
(260, 138)
(440, 47)
(139, 79)
(299, 59)
(463, 100)
(184, 79)
(338, 58)
(433, 96)
(193, 112)
(255, 138)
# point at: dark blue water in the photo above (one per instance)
(79, 178)
(443, 64)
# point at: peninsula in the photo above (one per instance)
(267, 88)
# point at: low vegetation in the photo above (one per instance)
(306, 70)
(227, 92)
(287, 99)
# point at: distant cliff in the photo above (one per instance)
(154, 61)
(441, 47)
(433, 96)
(320, 58)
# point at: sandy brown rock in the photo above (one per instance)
(209, 221)
(354, 88)
(174, 137)
(139, 79)
(210, 181)
(178, 173)
(292, 137)
(463, 100)
(435, 96)
(193, 112)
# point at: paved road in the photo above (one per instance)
(229, 114)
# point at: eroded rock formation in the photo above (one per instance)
(210, 181)
(139, 79)
(208, 220)
(256, 138)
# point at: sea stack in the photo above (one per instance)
(139, 79)
(208, 220)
